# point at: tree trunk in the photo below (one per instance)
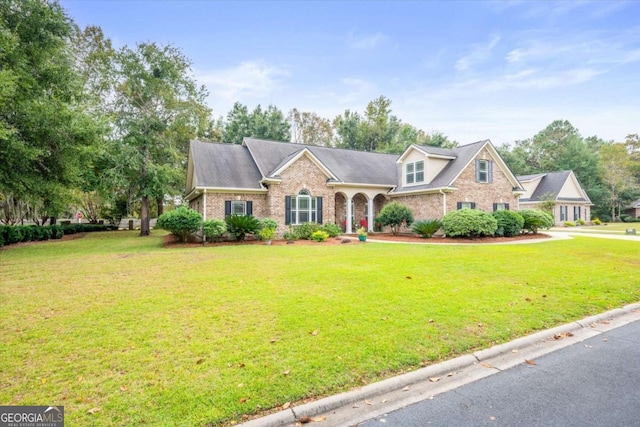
(144, 216)
(160, 202)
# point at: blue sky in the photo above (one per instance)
(501, 70)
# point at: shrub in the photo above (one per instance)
(213, 229)
(268, 223)
(580, 222)
(509, 223)
(469, 223)
(266, 233)
(290, 235)
(41, 233)
(569, 224)
(332, 230)
(305, 230)
(180, 222)
(597, 221)
(13, 234)
(535, 219)
(626, 218)
(241, 225)
(28, 232)
(427, 228)
(394, 215)
(56, 231)
(320, 236)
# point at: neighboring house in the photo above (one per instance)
(294, 183)
(572, 202)
(633, 209)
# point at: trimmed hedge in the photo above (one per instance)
(535, 219)
(469, 223)
(181, 222)
(12, 234)
(509, 223)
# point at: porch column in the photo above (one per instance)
(372, 220)
(348, 229)
(204, 205)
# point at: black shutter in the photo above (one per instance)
(473, 205)
(287, 210)
(459, 205)
(249, 207)
(477, 171)
(319, 210)
(495, 207)
(227, 208)
(506, 206)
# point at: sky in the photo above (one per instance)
(498, 70)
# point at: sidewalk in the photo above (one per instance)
(374, 400)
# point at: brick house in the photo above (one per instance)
(294, 183)
(633, 209)
(572, 202)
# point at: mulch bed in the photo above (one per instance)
(172, 241)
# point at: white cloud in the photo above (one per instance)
(479, 53)
(365, 41)
(249, 79)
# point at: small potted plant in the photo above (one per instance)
(362, 234)
(266, 234)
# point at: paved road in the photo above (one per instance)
(591, 383)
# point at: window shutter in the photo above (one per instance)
(459, 205)
(227, 208)
(319, 210)
(495, 207)
(473, 205)
(249, 207)
(477, 170)
(506, 206)
(287, 210)
(490, 171)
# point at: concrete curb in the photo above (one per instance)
(290, 416)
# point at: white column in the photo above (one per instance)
(348, 229)
(370, 215)
(204, 205)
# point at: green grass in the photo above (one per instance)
(608, 228)
(195, 336)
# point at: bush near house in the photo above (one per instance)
(469, 223)
(181, 222)
(332, 230)
(569, 224)
(535, 220)
(214, 229)
(305, 230)
(395, 215)
(241, 225)
(11, 234)
(320, 236)
(427, 228)
(509, 223)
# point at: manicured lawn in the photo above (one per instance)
(124, 332)
(609, 228)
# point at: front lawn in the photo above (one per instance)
(122, 331)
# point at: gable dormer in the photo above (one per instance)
(419, 167)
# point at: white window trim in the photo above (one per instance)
(243, 207)
(484, 171)
(311, 210)
(414, 173)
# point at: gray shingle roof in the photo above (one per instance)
(223, 166)
(550, 184)
(346, 165)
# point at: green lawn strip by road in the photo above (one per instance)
(124, 332)
(609, 228)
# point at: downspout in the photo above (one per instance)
(444, 202)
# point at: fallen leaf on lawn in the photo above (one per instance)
(285, 373)
(304, 420)
(286, 405)
(368, 402)
(406, 388)
(487, 365)
(241, 385)
(527, 299)
(241, 365)
(273, 340)
(314, 333)
(199, 361)
(44, 381)
(123, 387)
(244, 399)
(434, 379)
(408, 277)
(93, 410)
(480, 325)
(530, 362)
(319, 419)
(430, 320)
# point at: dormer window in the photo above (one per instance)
(415, 172)
(484, 171)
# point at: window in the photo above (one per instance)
(563, 213)
(415, 172)
(303, 208)
(466, 205)
(576, 213)
(484, 171)
(500, 207)
(238, 207)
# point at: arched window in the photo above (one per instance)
(303, 208)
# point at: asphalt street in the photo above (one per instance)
(595, 382)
